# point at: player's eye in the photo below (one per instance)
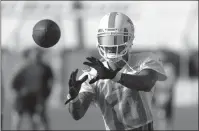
(113, 40)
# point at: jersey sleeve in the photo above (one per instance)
(152, 61)
(86, 87)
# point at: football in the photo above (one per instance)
(46, 33)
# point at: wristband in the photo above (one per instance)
(74, 100)
(117, 77)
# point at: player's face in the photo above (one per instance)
(112, 46)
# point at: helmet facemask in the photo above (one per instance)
(113, 45)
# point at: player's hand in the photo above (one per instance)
(75, 85)
(102, 71)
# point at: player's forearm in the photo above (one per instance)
(141, 82)
(78, 108)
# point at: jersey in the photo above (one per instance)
(32, 86)
(124, 108)
(33, 77)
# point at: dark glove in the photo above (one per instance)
(75, 85)
(102, 71)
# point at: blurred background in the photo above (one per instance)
(167, 27)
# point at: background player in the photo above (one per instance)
(121, 84)
(32, 86)
(163, 98)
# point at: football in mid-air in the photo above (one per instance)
(46, 33)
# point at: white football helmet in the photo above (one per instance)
(115, 36)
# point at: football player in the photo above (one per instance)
(121, 83)
(32, 86)
(163, 98)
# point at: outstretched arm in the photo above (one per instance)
(144, 81)
(80, 100)
(79, 105)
